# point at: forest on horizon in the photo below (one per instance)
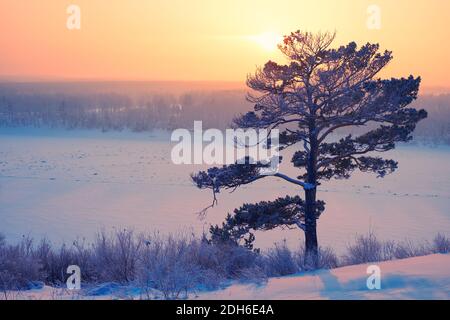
(145, 106)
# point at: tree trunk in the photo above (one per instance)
(311, 244)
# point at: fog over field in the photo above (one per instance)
(145, 106)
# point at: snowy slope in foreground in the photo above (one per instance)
(425, 277)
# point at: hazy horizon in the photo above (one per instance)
(177, 86)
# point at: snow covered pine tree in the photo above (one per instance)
(321, 90)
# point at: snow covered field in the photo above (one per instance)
(65, 184)
(426, 277)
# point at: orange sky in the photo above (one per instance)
(207, 39)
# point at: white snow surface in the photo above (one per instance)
(425, 277)
(422, 278)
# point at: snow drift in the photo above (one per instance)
(425, 277)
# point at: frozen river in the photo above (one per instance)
(67, 184)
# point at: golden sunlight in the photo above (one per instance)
(268, 40)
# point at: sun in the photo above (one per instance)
(268, 40)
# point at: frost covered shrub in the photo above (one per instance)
(176, 264)
(205, 255)
(223, 261)
(173, 265)
(407, 249)
(388, 250)
(235, 259)
(115, 256)
(280, 261)
(228, 258)
(441, 244)
(256, 274)
(367, 248)
(54, 262)
(169, 265)
(19, 267)
(327, 259)
(171, 277)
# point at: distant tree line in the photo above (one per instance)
(117, 111)
(436, 128)
(147, 111)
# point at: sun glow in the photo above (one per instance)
(268, 41)
(200, 40)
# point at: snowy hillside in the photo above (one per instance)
(415, 278)
(426, 277)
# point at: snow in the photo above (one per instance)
(423, 278)
(64, 184)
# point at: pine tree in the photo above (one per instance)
(319, 91)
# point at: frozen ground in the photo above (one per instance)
(415, 278)
(64, 184)
(425, 277)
